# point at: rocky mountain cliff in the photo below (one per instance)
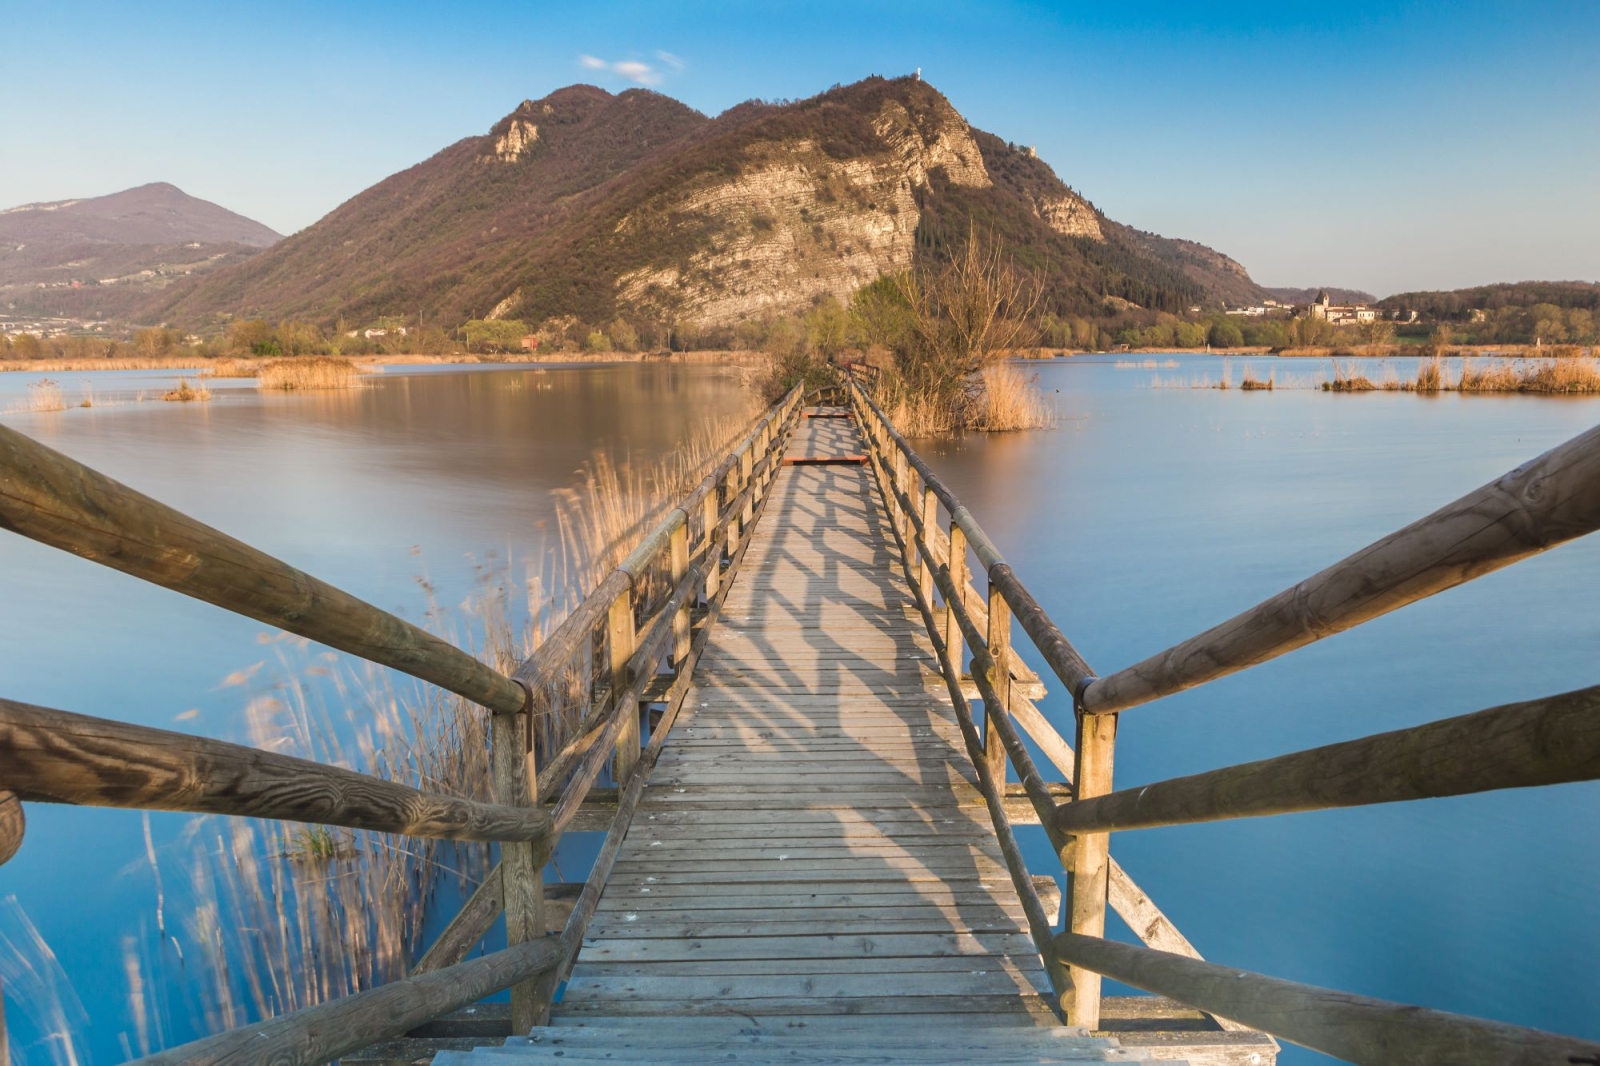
(103, 256)
(594, 205)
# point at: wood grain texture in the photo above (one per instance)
(1520, 745)
(58, 757)
(58, 501)
(1541, 504)
(13, 825)
(1349, 1027)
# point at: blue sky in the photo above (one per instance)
(1386, 147)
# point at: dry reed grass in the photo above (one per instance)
(1346, 379)
(309, 372)
(43, 396)
(1010, 401)
(186, 393)
(289, 915)
(1250, 383)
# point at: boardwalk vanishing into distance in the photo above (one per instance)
(807, 738)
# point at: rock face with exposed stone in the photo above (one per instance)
(633, 206)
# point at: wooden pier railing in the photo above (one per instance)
(1541, 504)
(629, 646)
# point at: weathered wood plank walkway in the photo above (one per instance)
(812, 841)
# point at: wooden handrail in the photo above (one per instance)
(322, 1033)
(1057, 650)
(1545, 502)
(470, 925)
(1348, 1027)
(58, 501)
(962, 609)
(1520, 745)
(58, 757)
(546, 664)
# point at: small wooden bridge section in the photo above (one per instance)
(812, 840)
(809, 714)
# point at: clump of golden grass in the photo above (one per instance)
(1432, 376)
(1250, 383)
(43, 395)
(309, 372)
(1569, 374)
(1346, 379)
(1010, 401)
(186, 393)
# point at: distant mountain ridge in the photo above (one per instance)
(103, 256)
(596, 206)
(157, 213)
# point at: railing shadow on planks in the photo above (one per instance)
(630, 645)
(1552, 740)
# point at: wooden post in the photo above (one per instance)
(522, 881)
(958, 582)
(713, 511)
(930, 516)
(679, 550)
(1088, 859)
(746, 461)
(620, 638)
(994, 749)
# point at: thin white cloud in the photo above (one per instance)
(635, 70)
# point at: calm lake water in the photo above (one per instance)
(1153, 511)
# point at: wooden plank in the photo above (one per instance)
(962, 945)
(583, 988)
(811, 802)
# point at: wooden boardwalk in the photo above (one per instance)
(812, 841)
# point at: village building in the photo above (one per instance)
(1340, 314)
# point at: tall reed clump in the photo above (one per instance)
(43, 396)
(285, 916)
(309, 372)
(1346, 379)
(1009, 400)
(1250, 383)
(186, 393)
(1432, 376)
(288, 916)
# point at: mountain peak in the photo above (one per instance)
(588, 204)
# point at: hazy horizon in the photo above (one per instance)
(1435, 147)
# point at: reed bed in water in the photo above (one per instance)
(43, 396)
(1567, 375)
(1010, 401)
(186, 393)
(309, 372)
